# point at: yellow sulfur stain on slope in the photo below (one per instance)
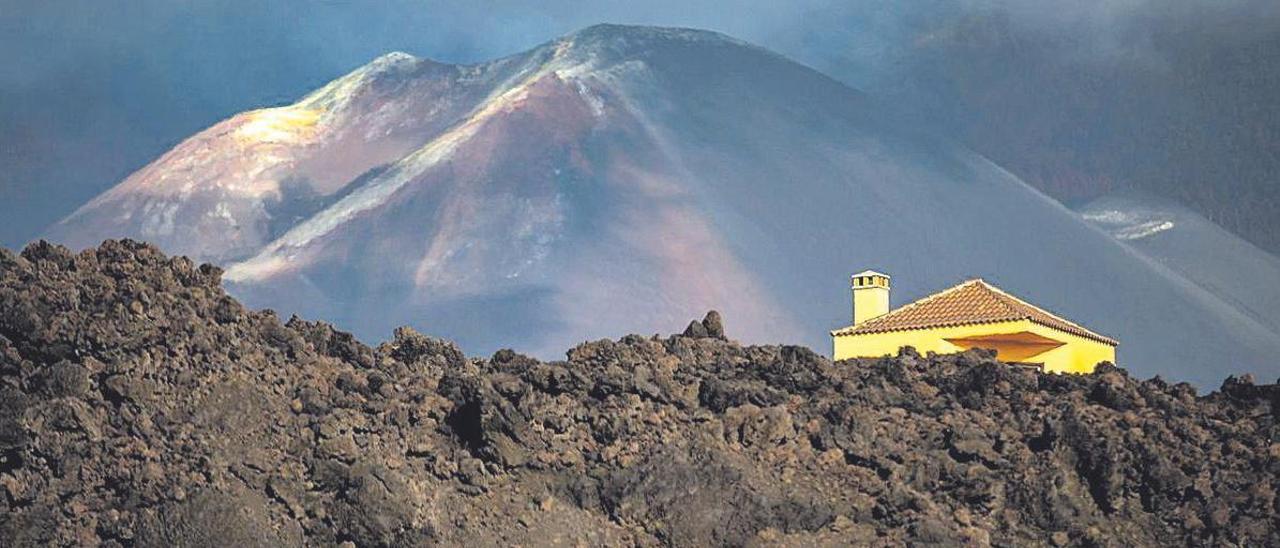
(278, 125)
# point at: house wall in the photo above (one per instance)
(1077, 355)
(874, 345)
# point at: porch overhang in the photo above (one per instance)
(1017, 346)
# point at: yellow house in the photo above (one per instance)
(974, 314)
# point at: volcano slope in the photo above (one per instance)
(628, 178)
(140, 405)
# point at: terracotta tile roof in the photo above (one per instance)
(972, 302)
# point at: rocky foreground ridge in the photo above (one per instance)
(142, 406)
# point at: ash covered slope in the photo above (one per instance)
(143, 406)
(621, 179)
(1234, 270)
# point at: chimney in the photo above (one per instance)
(870, 295)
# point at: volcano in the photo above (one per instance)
(623, 179)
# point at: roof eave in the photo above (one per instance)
(1084, 333)
(849, 332)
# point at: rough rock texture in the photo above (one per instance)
(140, 405)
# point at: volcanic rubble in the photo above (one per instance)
(140, 405)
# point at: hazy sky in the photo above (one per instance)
(92, 90)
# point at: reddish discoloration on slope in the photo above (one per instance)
(501, 186)
(660, 261)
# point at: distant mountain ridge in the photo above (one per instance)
(621, 179)
(1180, 104)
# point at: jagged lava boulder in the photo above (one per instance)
(142, 406)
